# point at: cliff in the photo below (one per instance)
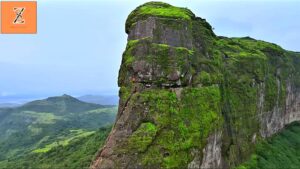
(191, 99)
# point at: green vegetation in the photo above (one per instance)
(40, 117)
(39, 128)
(280, 151)
(64, 142)
(77, 154)
(157, 57)
(174, 98)
(238, 68)
(174, 127)
(250, 68)
(158, 9)
(142, 137)
(193, 90)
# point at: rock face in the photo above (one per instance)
(191, 99)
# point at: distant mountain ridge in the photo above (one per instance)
(7, 105)
(60, 104)
(89, 98)
(100, 99)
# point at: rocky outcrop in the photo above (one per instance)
(191, 99)
(160, 31)
(212, 157)
(274, 120)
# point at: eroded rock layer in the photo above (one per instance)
(191, 99)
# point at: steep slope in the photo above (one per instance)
(191, 99)
(280, 151)
(41, 125)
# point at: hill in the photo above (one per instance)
(59, 105)
(40, 126)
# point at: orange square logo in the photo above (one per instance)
(19, 17)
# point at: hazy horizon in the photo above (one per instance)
(22, 99)
(79, 44)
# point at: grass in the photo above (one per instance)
(143, 137)
(172, 12)
(158, 9)
(74, 134)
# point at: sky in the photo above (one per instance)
(79, 44)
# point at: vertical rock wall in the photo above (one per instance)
(190, 99)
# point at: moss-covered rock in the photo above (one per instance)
(191, 99)
(157, 9)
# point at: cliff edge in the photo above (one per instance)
(191, 99)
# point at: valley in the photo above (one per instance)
(44, 126)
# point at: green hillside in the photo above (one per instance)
(76, 155)
(281, 151)
(43, 126)
(60, 105)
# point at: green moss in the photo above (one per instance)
(131, 43)
(181, 125)
(124, 93)
(230, 78)
(237, 48)
(168, 60)
(221, 81)
(249, 45)
(208, 79)
(163, 58)
(128, 58)
(239, 97)
(127, 61)
(253, 62)
(295, 59)
(157, 9)
(246, 66)
(142, 137)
